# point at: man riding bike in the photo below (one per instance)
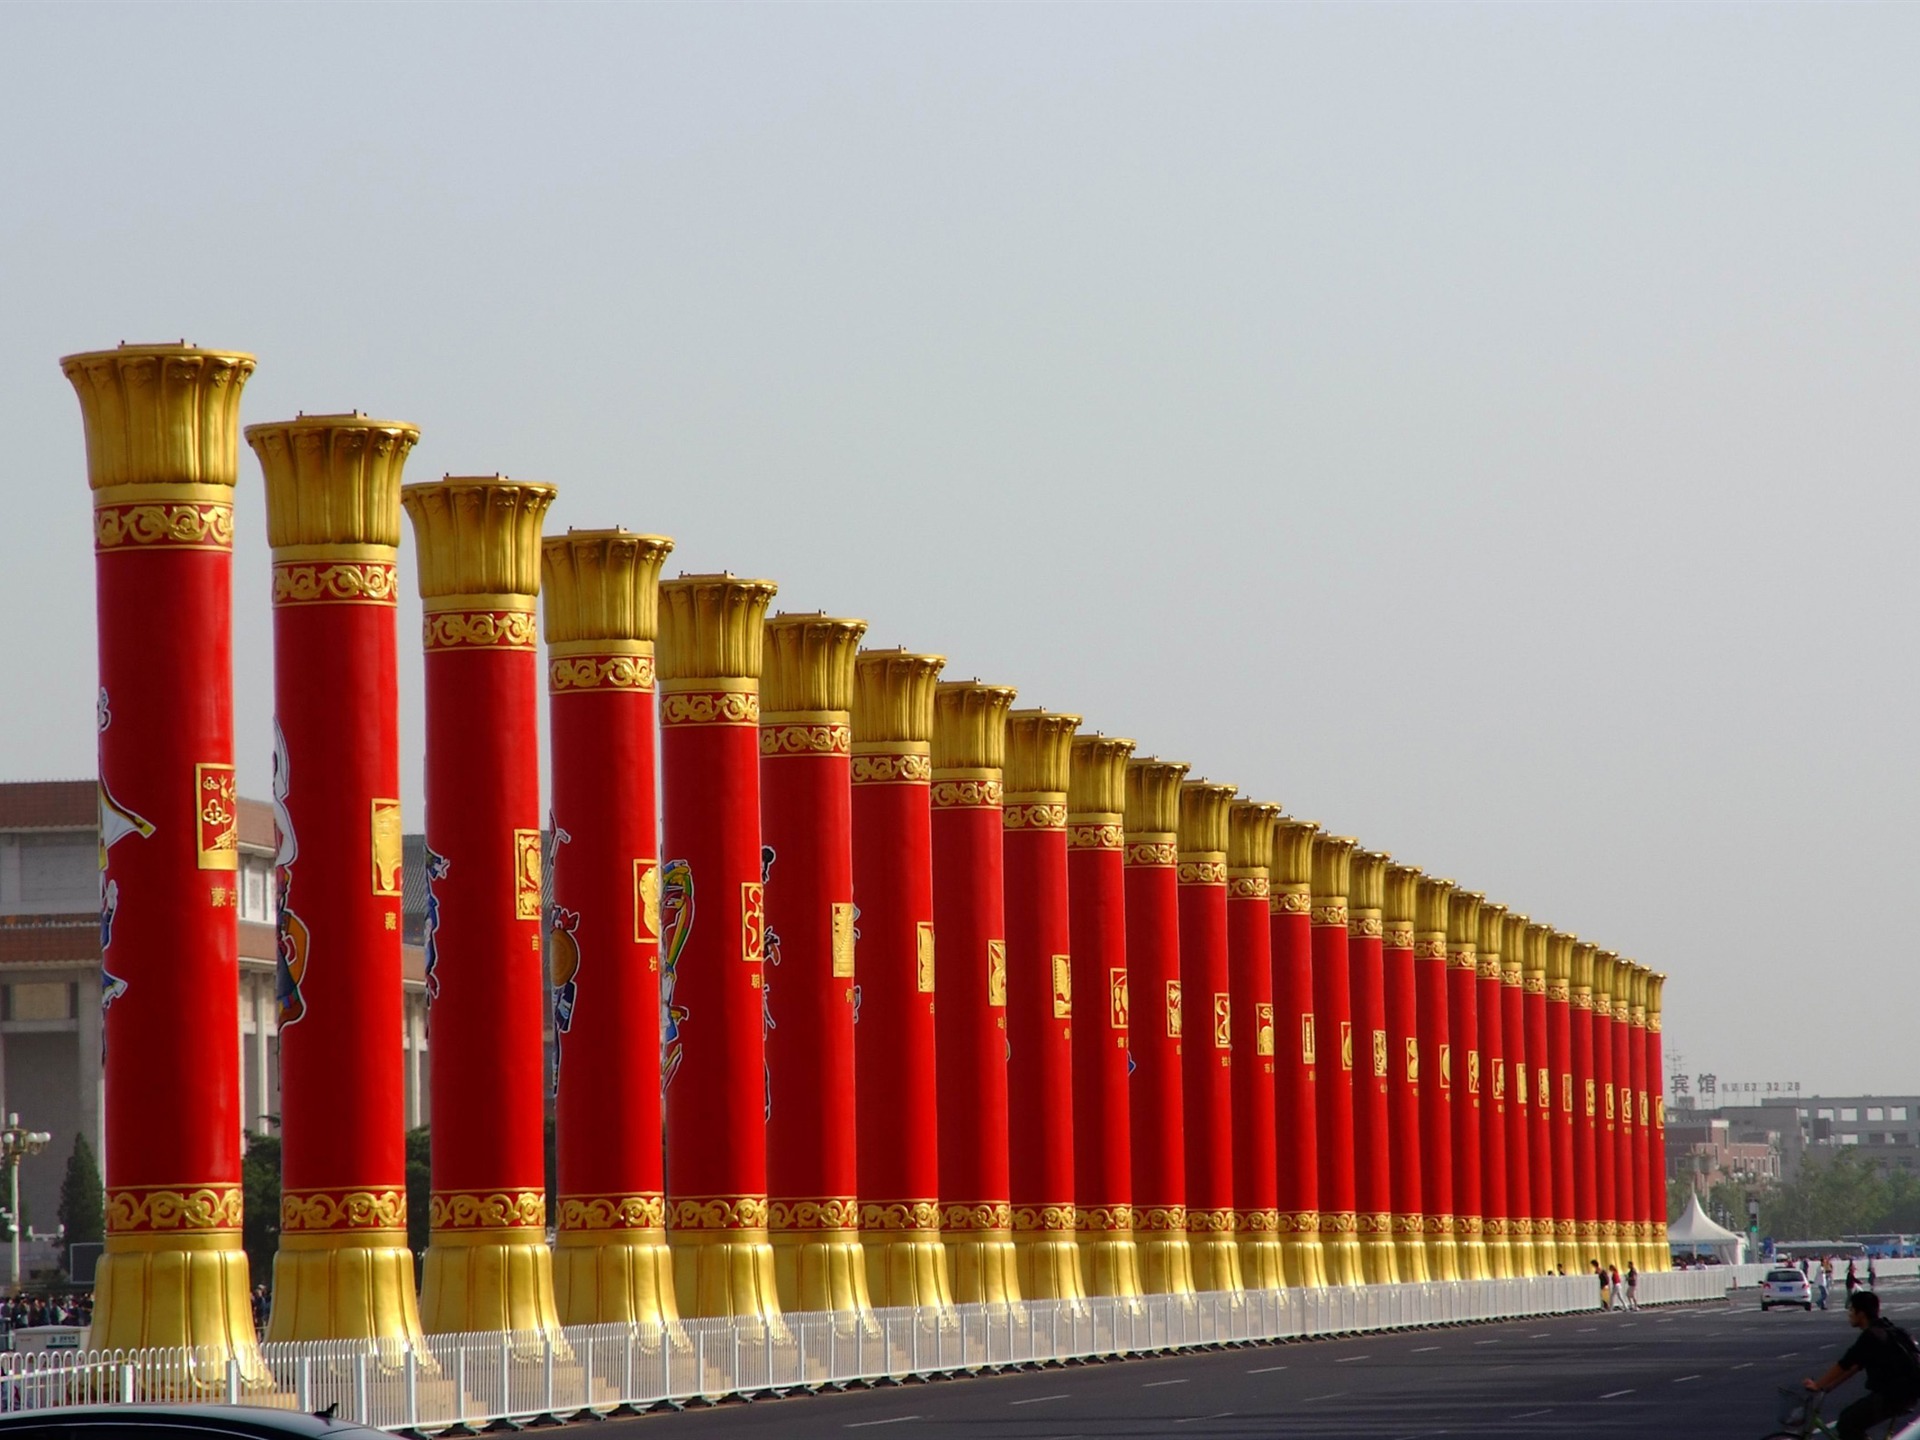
(1887, 1354)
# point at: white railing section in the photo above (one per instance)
(477, 1378)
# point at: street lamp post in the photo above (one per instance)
(16, 1143)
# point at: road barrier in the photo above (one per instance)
(472, 1379)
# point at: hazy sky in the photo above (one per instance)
(1488, 430)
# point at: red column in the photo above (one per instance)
(1209, 1059)
(1157, 1091)
(600, 601)
(969, 914)
(1434, 901)
(1040, 1005)
(1490, 1017)
(1586, 1211)
(894, 1071)
(333, 519)
(1373, 1170)
(1513, 1038)
(1463, 928)
(477, 543)
(1643, 1236)
(1606, 1124)
(1403, 1073)
(713, 945)
(1661, 1257)
(1256, 1213)
(1626, 1203)
(806, 856)
(1545, 1113)
(1572, 1245)
(162, 456)
(1097, 907)
(1333, 1039)
(1296, 1091)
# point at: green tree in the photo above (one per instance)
(83, 1200)
(419, 1190)
(260, 1192)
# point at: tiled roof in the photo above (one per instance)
(69, 943)
(48, 804)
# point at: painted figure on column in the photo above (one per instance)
(478, 547)
(1513, 1043)
(1662, 1258)
(1433, 904)
(1463, 931)
(1366, 960)
(1574, 1248)
(333, 518)
(1256, 1212)
(969, 904)
(1157, 1030)
(162, 433)
(1489, 1017)
(809, 989)
(714, 891)
(600, 602)
(1297, 1059)
(1040, 1005)
(894, 1071)
(1399, 893)
(1334, 1041)
(1102, 1055)
(1209, 1041)
(1586, 1106)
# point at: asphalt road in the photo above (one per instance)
(1697, 1371)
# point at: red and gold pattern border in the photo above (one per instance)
(710, 707)
(900, 1215)
(892, 769)
(309, 582)
(1256, 1222)
(310, 1210)
(1494, 1226)
(967, 794)
(982, 1215)
(1409, 1224)
(1097, 836)
(1029, 1218)
(479, 630)
(1249, 887)
(1396, 937)
(1467, 1226)
(1534, 983)
(1298, 1222)
(1487, 967)
(1559, 990)
(1365, 925)
(1329, 913)
(1437, 1224)
(1378, 1222)
(1159, 1218)
(174, 1209)
(1029, 815)
(1103, 1219)
(1289, 902)
(487, 1210)
(1162, 853)
(1461, 957)
(829, 1212)
(719, 1212)
(1339, 1222)
(151, 526)
(573, 674)
(613, 1212)
(806, 739)
(1209, 1222)
(1196, 871)
(1430, 947)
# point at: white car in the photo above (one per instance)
(1785, 1287)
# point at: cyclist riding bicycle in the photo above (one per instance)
(1887, 1354)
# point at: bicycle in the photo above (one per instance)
(1799, 1417)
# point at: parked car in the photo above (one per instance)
(1785, 1287)
(178, 1422)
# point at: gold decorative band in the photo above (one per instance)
(1365, 925)
(1582, 997)
(1534, 983)
(1103, 1219)
(613, 1212)
(1030, 816)
(335, 583)
(1414, 1224)
(173, 1209)
(1339, 1222)
(1256, 1222)
(899, 769)
(1209, 1222)
(1563, 1229)
(1378, 1222)
(806, 740)
(1328, 912)
(1042, 1217)
(1430, 947)
(194, 525)
(900, 1215)
(1487, 967)
(1437, 1224)
(1196, 871)
(1098, 836)
(1493, 1225)
(982, 1215)
(1289, 902)
(1653, 1022)
(1511, 974)
(487, 1210)
(710, 707)
(718, 1212)
(1396, 937)
(1468, 1225)
(1249, 887)
(1460, 957)
(308, 1210)
(832, 1212)
(967, 795)
(479, 630)
(1298, 1222)
(1159, 1218)
(1152, 852)
(576, 673)
(1558, 990)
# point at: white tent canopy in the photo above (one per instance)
(1694, 1234)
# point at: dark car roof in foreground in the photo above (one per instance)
(245, 1420)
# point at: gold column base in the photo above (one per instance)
(1340, 1245)
(487, 1279)
(1109, 1262)
(981, 1268)
(178, 1291)
(1500, 1257)
(1520, 1243)
(1566, 1249)
(614, 1277)
(1410, 1250)
(817, 1270)
(1610, 1252)
(1586, 1244)
(1048, 1262)
(1443, 1251)
(1262, 1266)
(1379, 1257)
(1216, 1257)
(343, 1285)
(1166, 1262)
(1304, 1262)
(906, 1268)
(724, 1272)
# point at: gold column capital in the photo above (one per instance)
(160, 414)
(333, 480)
(1039, 752)
(1367, 880)
(477, 536)
(1203, 818)
(1332, 867)
(598, 585)
(1097, 779)
(1656, 988)
(1433, 901)
(712, 627)
(970, 725)
(1153, 795)
(1250, 825)
(1605, 966)
(1291, 863)
(1490, 933)
(1560, 957)
(1534, 950)
(893, 697)
(1582, 972)
(1463, 921)
(806, 666)
(1400, 890)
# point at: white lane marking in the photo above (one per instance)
(1038, 1398)
(1192, 1418)
(1543, 1335)
(1349, 1359)
(1586, 1329)
(1422, 1349)
(1154, 1384)
(1334, 1396)
(1684, 1378)
(1266, 1369)
(1532, 1413)
(891, 1420)
(1494, 1341)
(1615, 1394)
(1787, 1356)
(1744, 1365)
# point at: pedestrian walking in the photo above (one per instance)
(1820, 1287)
(1633, 1286)
(1606, 1293)
(1853, 1280)
(1873, 1275)
(1619, 1295)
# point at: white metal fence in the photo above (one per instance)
(477, 1378)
